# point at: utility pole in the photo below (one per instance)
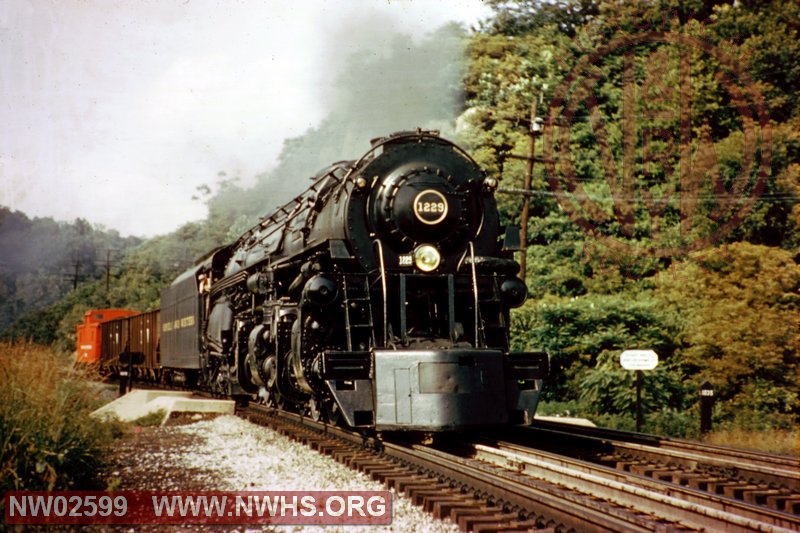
(75, 276)
(107, 263)
(534, 131)
(108, 269)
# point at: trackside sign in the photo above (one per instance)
(638, 359)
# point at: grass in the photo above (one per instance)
(47, 440)
(785, 442)
(741, 433)
(151, 419)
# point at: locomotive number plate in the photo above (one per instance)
(430, 206)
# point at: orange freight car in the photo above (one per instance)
(88, 333)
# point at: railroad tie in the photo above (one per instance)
(463, 517)
(786, 503)
(357, 458)
(447, 509)
(685, 478)
(527, 525)
(738, 491)
(644, 469)
(703, 482)
(366, 463)
(486, 522)
(663, 474)
(719, 487)
(394, 482)
(759, 497)
(626, 465)
(422, 496)
(409, 484)
(382, 472)
(443, 500)
(343, 454)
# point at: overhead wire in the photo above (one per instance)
(731, 198)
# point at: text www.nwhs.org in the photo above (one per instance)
(155, 507)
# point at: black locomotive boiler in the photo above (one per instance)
(379, 297)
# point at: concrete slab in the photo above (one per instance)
(139, 403)
(566, 420)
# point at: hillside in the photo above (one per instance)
(664, 206)
(42, 260)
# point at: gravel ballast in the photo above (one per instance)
(228, 453)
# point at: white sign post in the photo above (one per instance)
(638, 360)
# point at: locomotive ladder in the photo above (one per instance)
(488, 311)
(357, 310)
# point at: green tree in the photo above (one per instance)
(610, 389)
(519, 17)
(581, 332)
(741, 305)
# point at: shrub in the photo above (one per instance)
(569, 408)
(624, 422)
(673, 423)
(47, 440)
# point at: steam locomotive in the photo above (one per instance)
(378, 298)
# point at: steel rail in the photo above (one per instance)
(769, 469)
(691, 507)
(754, 457)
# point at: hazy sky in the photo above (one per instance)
(115, 111)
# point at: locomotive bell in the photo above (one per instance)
(320, 290)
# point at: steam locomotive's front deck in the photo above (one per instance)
(437, 389)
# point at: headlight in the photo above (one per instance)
(427, 258)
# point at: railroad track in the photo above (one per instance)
(756, 478)
(489, 486)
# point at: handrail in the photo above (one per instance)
(385, 292)
(475, 291)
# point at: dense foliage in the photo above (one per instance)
(726, 312)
